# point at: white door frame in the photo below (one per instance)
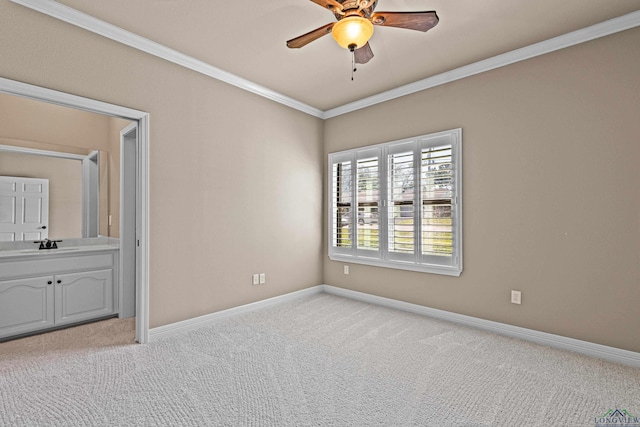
(129, 249)
(60, 98)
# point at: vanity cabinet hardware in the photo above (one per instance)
(58, 281)
(49, 282)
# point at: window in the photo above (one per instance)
(399, 204)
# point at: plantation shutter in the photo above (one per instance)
(437, 181)
(368, 196)
(342, 214)
(401, 203)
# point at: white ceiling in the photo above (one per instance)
(247, 38)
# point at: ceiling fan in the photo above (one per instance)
(356, 19)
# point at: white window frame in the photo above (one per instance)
(383, 257)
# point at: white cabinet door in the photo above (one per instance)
(24, 208)
(83, 296)
(26, 305)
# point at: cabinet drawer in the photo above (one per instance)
(57, 264)
(26, 305)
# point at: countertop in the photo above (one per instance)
(70, 246)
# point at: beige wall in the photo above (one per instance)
(235, 179)
(551, 199)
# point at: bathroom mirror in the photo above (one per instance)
(76, 152)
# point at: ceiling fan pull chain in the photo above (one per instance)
(353, 63)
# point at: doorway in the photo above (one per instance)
(136, 144)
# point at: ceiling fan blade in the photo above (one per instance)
(364, 54)
(310, 36)
(329, 4)
(421, 21)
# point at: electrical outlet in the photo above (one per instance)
(516, 297)
(256, 279)
(263, 278)
(346, 269)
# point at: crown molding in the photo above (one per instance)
(97, 26)
(573, 38)
(89, 23)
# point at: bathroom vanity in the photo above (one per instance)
(48, 289)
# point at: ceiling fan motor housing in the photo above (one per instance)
(362, 8)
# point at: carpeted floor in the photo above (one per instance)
(320, 360)
(105, 333)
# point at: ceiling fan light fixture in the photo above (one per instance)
(352, 30)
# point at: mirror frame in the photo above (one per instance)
(90, 183)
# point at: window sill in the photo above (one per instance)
(398, 265)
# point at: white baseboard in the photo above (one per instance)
(184, 326)
(612, 354)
